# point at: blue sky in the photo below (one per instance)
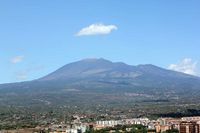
(37, 37)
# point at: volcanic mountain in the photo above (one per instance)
(97, 78)
(101, 71)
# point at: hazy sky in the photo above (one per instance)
(39, 36)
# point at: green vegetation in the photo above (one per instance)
(14, 117)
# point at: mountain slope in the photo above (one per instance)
(88, 68)
(96, 70)
(88, 79)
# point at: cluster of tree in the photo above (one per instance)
(17, 126)
(186, 113)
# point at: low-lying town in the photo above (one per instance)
(132, 125)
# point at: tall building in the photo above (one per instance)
(189, 127)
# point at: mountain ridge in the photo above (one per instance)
(101, 65)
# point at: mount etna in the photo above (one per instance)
(92, 82)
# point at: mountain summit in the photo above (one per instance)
(101, 68)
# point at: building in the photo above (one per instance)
(162, 128)
(195, 118)
(189, 127)
(109, 123)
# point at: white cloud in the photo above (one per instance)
(17, 59)
(187, 66)
(96, 29)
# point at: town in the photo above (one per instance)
(131, 125)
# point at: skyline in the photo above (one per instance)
(38, 37)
